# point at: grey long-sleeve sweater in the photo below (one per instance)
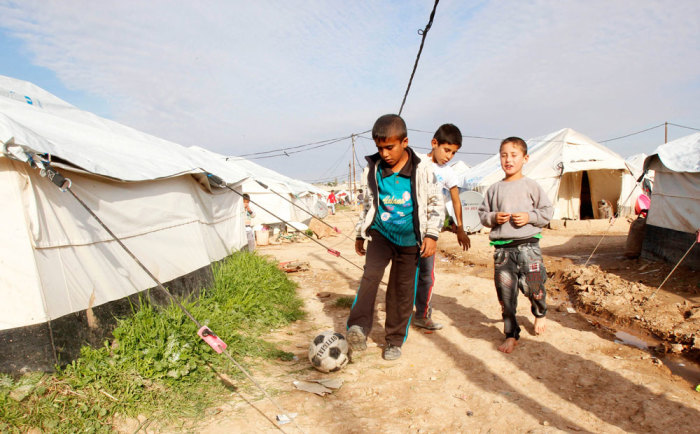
(523, 195)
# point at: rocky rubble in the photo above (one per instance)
(633, 304)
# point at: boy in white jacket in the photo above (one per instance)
(402, 215)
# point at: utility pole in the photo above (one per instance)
(352, 158)
(351, 198)
(665, 132)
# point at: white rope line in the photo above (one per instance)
(676, 266)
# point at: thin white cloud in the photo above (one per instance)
(242, 76)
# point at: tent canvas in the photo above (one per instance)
(675, 199)
(460, 168)
(645, 180)
(674, 212)
(575, 172)
(300, 193)
(55, 259)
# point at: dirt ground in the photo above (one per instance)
(600, 366)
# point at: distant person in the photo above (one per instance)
(446, 142)
(360, 198)
(249, 216)
(515, 209)
(402, 216)
(332, 200)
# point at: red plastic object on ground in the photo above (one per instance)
(642, 204)
(213, 340)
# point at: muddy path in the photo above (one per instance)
(578, 376)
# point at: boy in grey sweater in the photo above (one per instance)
(515, 209)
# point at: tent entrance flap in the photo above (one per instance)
(580, 193)
(586, 210)
(605, 184)
(568, 204)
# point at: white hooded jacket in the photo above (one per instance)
(429, 209)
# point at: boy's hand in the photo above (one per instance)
(360, 247)
(428, 248)
(502, 217)
(463, 239)
(520, 218)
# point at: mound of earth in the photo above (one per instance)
(634, 304)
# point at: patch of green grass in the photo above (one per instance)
(344, 302)
(157, 366)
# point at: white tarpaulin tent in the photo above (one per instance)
(574, 171)
(674, 213)
(55, 259)
(675, 199)
(635, 164)
(460, 168)
(300, 193)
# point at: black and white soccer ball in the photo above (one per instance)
(328, 352)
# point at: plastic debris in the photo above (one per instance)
(319, 387)
(285, 418)
(293, 266)
(213, 340)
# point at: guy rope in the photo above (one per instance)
(64, 184)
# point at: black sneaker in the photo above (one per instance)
(391, 352)
(357, 339)
(426, 323)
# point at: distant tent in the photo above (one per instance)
(635, 164)
(460, 168)
(575, 172)
(302, 194)
(341, 195)
(57, 264)
(674, 213)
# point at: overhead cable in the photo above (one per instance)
(463, 136)
(632, 134)
(681, 126)
(294, 147)
(328, 178)
(285, 153)
(424, 33)
(461, 152)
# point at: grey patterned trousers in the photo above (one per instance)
(519, 268)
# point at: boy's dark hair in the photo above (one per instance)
(360, 190)
(517, 141)
(246, 196)
(389, 127)
(448, 134)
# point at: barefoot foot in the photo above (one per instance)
(508, 346)
(540, 325)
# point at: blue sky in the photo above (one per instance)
(242, 77)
